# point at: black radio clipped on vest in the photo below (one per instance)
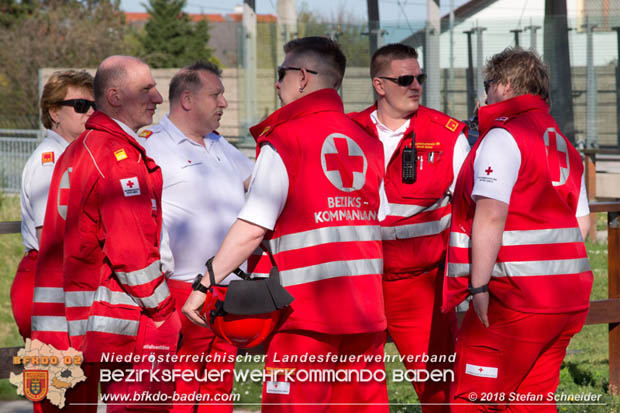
(410, 162)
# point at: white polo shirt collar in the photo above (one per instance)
(179, 137)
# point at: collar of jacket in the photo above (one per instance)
(102, 122)
(508, 109)
(363, 119)
(323, 100)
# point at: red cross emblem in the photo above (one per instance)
(130, 184)
(63, 194)
(557, 157)
(489, 171)
(480, 369)
(343, 162)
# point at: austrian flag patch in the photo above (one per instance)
(131, 187)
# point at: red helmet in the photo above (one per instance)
(246, 312)
(243, 331)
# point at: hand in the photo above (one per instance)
(192, 308)
(481, 306)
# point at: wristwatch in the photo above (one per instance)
(197, 285)
(478, 290)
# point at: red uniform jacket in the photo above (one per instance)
(542, 265)
(327, 242)
(415, 233)
(111, 267)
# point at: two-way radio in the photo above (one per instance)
(410, 162)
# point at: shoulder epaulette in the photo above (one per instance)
(446, 121)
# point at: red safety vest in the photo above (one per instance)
(111, 264)
(327, 241)
(415, 233)
(542, 265)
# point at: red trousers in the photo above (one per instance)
(199, 341)
(300, 393)
(22, 292)
(514, 363)
(418, 328)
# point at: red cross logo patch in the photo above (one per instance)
(131, 187)
(343, 162)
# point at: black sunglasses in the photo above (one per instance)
(79, 105)
(406, 80)
(282, 71)
(487, 85)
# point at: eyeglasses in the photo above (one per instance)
(282, 71)
(406, 80)
(79, 105)
(487, 85)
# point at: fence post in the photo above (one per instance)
(613, 280)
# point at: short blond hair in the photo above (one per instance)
(523, 69)
(56, 89)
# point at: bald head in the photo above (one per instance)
(125, 90)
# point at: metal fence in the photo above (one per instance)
(16, 145)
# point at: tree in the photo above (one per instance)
(60, 34)
(343, 27)
(170, 39)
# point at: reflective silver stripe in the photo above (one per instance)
(113, 297)
(460, 240)
(48, 295)
(79, 298)
(416, 230)
(49, 323)
(331, 270)
(525, 237)
(143, 276)
(101, 324)
(86, 298)
(77, 327)
(405, 210)
(527, 268)
(160, 294)
(542, 236)
(325, 235)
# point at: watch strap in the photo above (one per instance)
(197, 285)
(478, 290)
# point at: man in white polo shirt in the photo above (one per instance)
(205, 178)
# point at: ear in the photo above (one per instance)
(53, 111)
(304, 79)
(113, 97)
(378, 85)
(187, 100)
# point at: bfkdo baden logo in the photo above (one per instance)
(36, 384)
(48, 372)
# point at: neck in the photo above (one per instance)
(184, 125)
(62, 134)
(389, 118)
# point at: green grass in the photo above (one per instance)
(585, 368)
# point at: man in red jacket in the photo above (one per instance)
(516, 245)
(424, 150)
(314, 200)
(115, 294)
